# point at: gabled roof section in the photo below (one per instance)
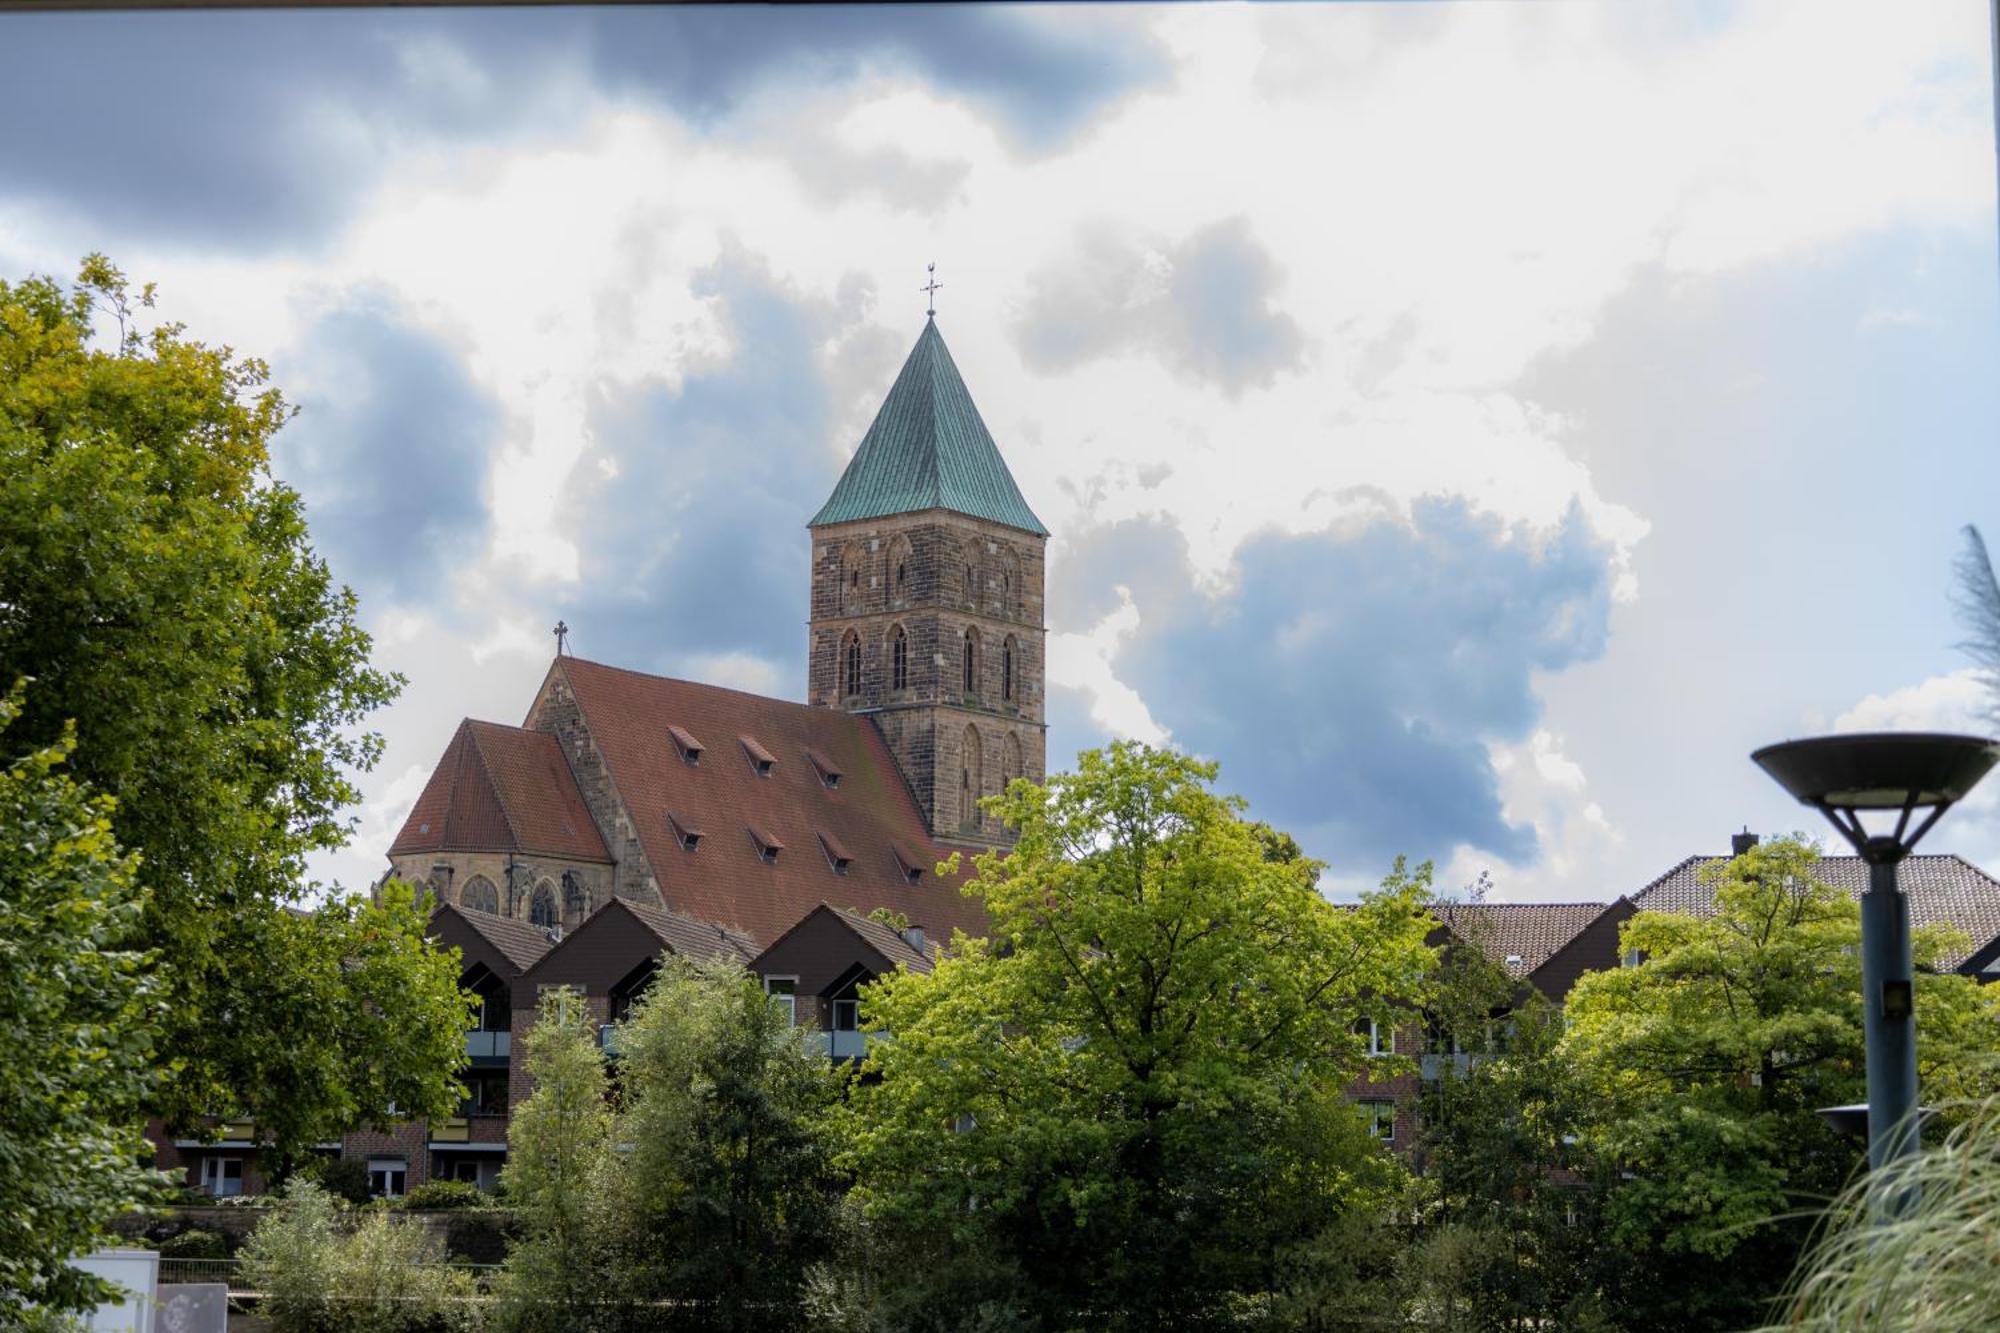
(1943, 890)
(501, 789)
(1519, 936)
(521, 944)
(691, 938)
(886, 940)
(928, 449)
(727, 881)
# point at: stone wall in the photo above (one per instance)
(557, 712)
(937, 577)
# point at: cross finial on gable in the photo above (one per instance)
(562, 638)
(931, 289)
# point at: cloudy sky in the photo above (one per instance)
(1477, 427)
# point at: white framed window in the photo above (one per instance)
(222, 1177)
(386, 1177)
(1632, 958)
(1380, 1040)
(846, 1016)
(1381, 1118)
(784, 993)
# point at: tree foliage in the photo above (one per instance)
(76, 1026)
(159, 586)
(1710, 1061)
(557, 1144)
(726, 1195)
(1127, 1100)
(320, 1272)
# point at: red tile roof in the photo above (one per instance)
(501, 789)
(1943, 890)
(1518, 936)
(632, 717)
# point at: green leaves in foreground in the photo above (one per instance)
(76, 1026)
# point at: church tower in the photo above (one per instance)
(927, 599)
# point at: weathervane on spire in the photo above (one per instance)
(562, 638)
(930, 289)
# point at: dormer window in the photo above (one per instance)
(828, 771)
(760, 758)
(688, 836)
(765, 842)
(912, 868)
(837, 855)
(684, 742)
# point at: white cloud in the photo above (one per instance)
(1543, 787)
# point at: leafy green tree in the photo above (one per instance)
(558, 1143)
(1123, 1104)
(76, 1027)
(726, 1195)
(1709, 1062)
(1512, 1234)
(158, 585)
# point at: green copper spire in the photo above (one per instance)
(928, 449)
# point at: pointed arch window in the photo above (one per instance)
(851, 591)
(971, 585)
(1010, 584)
(1010, 758)
(576, 903)
(970, 674)
(850, 664)
(901, 558)
(899, 659)
(1007, 669)
(542, 907)
(479, 895)
(971, 781)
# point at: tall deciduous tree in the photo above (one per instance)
(558, 1142)
(76, 1027)
(1127, 1101)
(726, 1195)
(158, 585)
(1711, 1059)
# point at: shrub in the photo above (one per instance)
(194, 1243)
(343, 1177)
(388, 1276)
(445, 1194)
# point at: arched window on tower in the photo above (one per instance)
(971, 672)
(851, 591)
(901, 558)
(971, 585)
(1010, 585)
(1007, 669)
(576, 903)
(542, 907)
(1010, 758)
(850, 664)
(899, 659)
(479, 895)
(971, 781)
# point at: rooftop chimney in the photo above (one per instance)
(1740, 843)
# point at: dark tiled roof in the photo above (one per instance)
(688, 937)
(928, 449)
(885, 940)
(1943, 890)
(501, 789)
(724, 880)
(519, 943)
(1519, 936)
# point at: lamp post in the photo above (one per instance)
(1904, 772)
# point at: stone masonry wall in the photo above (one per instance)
(937, 576)
(556, 711)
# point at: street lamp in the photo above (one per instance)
(1905, 772)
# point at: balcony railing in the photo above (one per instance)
(482, 1047)
(848, 1044)
(454, 1130)
(1459, 1062)
(607, 1039)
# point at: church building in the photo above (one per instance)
(923, 693)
